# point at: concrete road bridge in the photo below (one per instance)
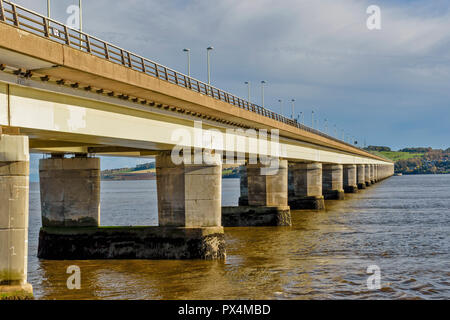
(74, 97)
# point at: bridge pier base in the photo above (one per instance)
(14, 188)
(267, 199)
(350, 178)
(367, 179)
(307, 180)
(361, 176)
(332, 182)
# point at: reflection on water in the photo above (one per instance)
(401, 225)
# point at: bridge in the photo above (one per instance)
(74, 97)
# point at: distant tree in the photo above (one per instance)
(416, 150)
(378, 148)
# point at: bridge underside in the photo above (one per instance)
(58, 100)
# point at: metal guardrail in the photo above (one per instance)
(38, 24)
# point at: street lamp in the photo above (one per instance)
(292, 114)
(312, 119)
(262, 93)
(209, 65)
(188, 51)
(302, 116)
(281, 106)
(248, 87)
(48, 8)
(326, 126)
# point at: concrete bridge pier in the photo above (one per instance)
(361, 176)
(307, 180)
(375, 173)
(243, 198)
(189, 212)
(189, 204)
(14, 190)
(267, 194)
(70, 191)
(367, 175)
(332, 182)
(372, 173)
(350, 178)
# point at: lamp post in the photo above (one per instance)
(262, 93)
(188, 51)
(281, 106)
(326, 126)
(48, 8)
(209, 64)
(248, 88)
(81, 15)
(292, 114)
(312, 119)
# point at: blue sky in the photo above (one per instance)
(389, 87)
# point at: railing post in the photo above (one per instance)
(156, 70)
(15, 16)
(129, 59)
(2, 11)
(122, 57)
(88, 43)
(165, 74)
(66, 33)
(143, 65)
(46, 32)
(106, 51)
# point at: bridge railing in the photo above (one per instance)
(38, 24)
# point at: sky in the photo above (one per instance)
(387, 87)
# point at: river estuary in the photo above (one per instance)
(401, 225)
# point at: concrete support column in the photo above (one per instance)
(361, 176)
(270, 189)
(372, 173)
(367, 176)
(267, 198)
(307, 179)
(70, 191)
(350, 178)
(243, 198)
(375, 173)
(189, 195)
(14, 189)
(189, 201)
(332, 181)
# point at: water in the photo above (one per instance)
(401, 225)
